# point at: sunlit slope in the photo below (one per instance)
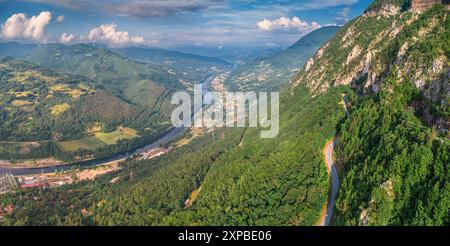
(137, 82)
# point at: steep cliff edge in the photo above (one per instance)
(394, 146)
(388, 38)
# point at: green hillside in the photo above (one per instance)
(137, 82)
(244, 180)
(393, 150)
(122, 75)
(31, 95)
(42, 111)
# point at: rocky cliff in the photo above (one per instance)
(393, 148)
(387, 41)
(422, 5)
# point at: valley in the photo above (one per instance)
(52, 173)
(86, 135)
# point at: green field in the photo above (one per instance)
(115, 136)
(100, 139)
(84, 143)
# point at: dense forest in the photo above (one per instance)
(399, 173)
(279, 181)
(236, 170)
(157, 186)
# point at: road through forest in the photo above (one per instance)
(325, 219)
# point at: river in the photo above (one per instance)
(171, 134)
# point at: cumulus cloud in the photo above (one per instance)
(287, 24)
(60, 18)
(108, 33)
(66, 38)
(19, 26)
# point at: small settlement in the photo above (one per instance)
(10, 183)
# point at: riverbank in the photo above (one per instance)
(44, 162)
(53, 180)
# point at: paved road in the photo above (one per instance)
(329, 148)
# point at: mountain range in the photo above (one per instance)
(273, 71)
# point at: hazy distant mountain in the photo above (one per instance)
(193, 67)
(170, 57)
(234, 54)
(273, 71)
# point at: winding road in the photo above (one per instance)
(328, 152)
(332, 170)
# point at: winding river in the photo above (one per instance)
(171, 134)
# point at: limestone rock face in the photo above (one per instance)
(422, 5)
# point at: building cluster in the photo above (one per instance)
(43, 181)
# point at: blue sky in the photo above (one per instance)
(171, 23)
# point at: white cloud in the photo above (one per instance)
(108, 33)
(137, 8)
(66, 38)
(19, 26)
(343, 16)
(60, 18)
(287, 24)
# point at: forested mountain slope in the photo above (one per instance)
(237, 178)
(143, 86)
(34, 100)
(46, 114)
(240, 179)
(140, 83)
(394, 148)
(279, 181)
(272, 72)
